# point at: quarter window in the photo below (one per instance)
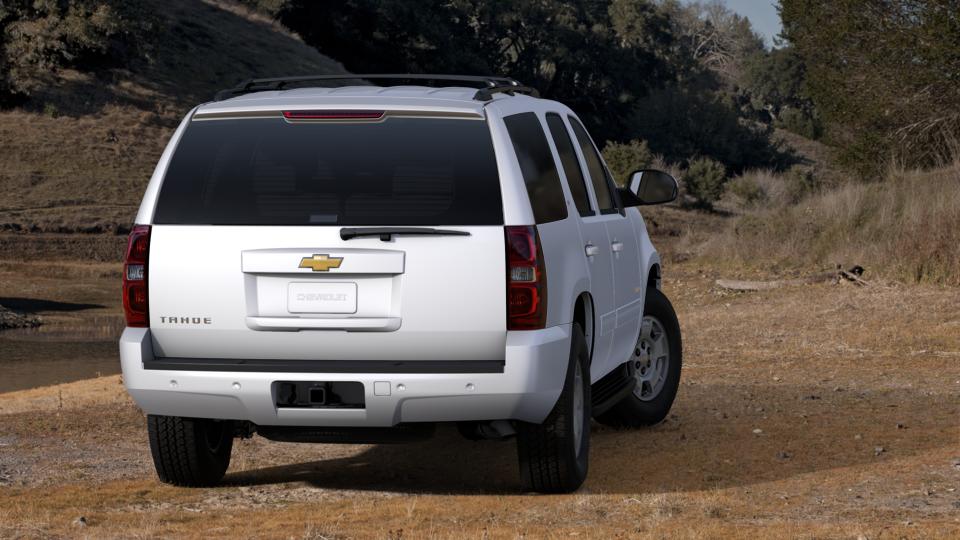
(537, 166)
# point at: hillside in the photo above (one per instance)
(77, 156)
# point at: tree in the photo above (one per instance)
(38, 37)
(775, 83)
(714, 37)
(631, 69)
(885, 76)
(681, 121)
(566, 48)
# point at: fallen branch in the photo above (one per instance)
(852, 275)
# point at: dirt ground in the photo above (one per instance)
(822, 411)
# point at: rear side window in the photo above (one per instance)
(571, 167)
(539, 170)
(597, 174)
(267, 171)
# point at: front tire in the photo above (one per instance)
(554, 455)
(190, 452)
(657, 360)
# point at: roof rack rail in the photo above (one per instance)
(491, 85)
(486, 94)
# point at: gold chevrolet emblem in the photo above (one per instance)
(320, 262)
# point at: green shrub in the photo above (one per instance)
(705, 179)
(625, 158)
(747, 190)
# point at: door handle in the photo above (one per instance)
(591, 250)
(616, 246)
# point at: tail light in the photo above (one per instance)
(135, 277)
(526, 279)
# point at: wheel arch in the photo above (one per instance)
(653, 275)
(583, 314)
(654, 278)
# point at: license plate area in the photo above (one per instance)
(322, 298)
(319, 394)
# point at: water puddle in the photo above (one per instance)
(77, 330)
(66, 347)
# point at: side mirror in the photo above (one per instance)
(650, 186)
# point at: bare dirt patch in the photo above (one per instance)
(811, 411)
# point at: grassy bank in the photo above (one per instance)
(76, 156)
(905, 227)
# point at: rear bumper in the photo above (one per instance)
(531, 381)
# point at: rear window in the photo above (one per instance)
(267, 171)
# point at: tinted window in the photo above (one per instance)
(538, 168)
(267, 171)
(571, 167)
(597, 174)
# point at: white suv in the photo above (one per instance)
(357, 263)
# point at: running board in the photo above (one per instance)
(613, 387)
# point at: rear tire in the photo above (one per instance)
(190, 452)
(554, 455)
(656, 394)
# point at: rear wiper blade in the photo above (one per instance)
(386, 233)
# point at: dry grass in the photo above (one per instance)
(82, 394)
(906, 227)
(759, 188)
(77, 157)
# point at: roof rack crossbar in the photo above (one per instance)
(491, 85)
